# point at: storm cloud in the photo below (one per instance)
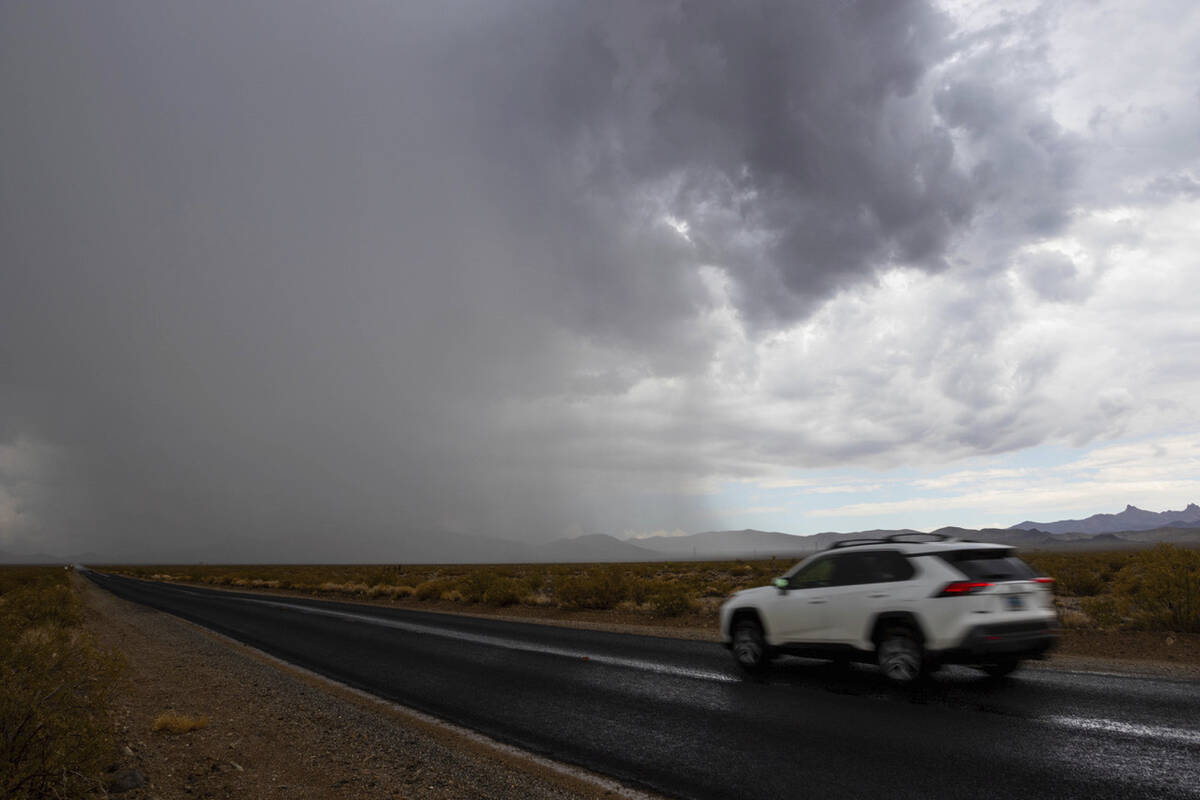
(306, 280)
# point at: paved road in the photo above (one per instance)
(676, 716)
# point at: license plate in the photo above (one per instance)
(1015, 602)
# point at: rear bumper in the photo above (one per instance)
(1003, 640)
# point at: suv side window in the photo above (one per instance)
(886, 566)
(818, 573)
(850, 569)
(870, 566)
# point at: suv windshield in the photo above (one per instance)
(989, 565)
(815, 573)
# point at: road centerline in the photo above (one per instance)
(507, 644)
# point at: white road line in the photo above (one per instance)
(507, 644)
(1183, 735)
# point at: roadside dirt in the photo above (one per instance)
(279, 732)
(1167, 655)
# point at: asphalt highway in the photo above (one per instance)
(677, 717)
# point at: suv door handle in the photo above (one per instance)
(879, 594)
(815, 602)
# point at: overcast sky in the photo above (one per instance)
(308, 279)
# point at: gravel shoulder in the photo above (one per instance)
(275, 731)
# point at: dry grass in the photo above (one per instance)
(174, 722)
(1152, 589)
(55, 686)
(665, 589)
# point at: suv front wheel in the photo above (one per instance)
(900, 655)
(749, 645)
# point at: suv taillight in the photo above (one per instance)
(1047, 582)
(961, 588)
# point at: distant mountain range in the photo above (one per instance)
(724, 544)
(761, 544)
(1131, 528)
(45, 558)
(1131, 519)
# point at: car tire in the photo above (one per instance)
(999, 669)
(900, 655)
(749, 646)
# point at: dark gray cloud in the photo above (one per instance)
(793, 140)
(303, 280)
(1023, 166)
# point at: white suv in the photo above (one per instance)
(908, 605)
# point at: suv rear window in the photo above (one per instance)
(989, 565)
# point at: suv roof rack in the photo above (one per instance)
(855, 543)
(897, 538)
(937, 537)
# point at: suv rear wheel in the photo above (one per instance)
(900, 655)
(749, 644)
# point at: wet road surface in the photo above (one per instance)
(677, 717)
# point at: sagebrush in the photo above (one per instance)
(55, 684)
(1153, 589)
(175, 722)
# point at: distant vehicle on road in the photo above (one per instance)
(909, 602)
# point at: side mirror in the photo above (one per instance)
(782, 585)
